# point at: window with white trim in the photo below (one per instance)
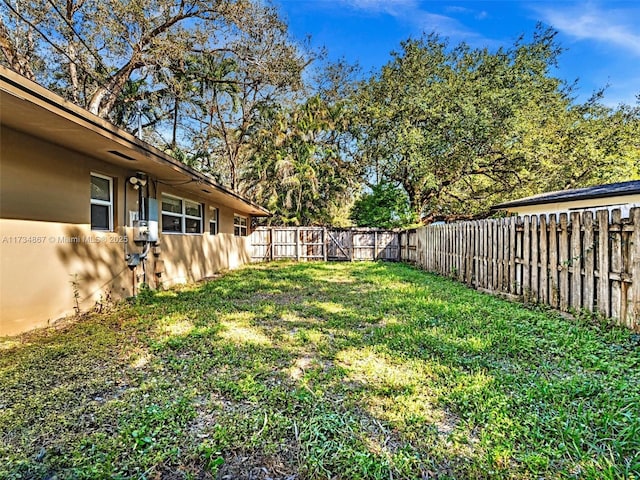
(213, 221)
(240, 225)
(180, 215)
(101, 202)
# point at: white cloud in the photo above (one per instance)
(392, 7)
(592, 22)
(412, 13)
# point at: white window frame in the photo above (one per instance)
(191, 217)
(103, 203)
(214, 220)
(172, 214)
(239, 226)
(183, 215)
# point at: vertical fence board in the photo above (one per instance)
(554, 288)
(544, 260)
(485, 264)
(534, 259)
(443, 251)
(616, 265)
(447, 249)
(604, 306)
(526, 258)
(467, 240)
(512, 256)
(489, 254)
(500, 255)
(563, 291)
(588, 250)
(450, 250)
(324, 244)
(476, 254)
(472, 253)
(519, 246)
(458, 232)
(494, 255)
(576, 262)
(504, 262)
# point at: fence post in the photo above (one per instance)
(271, 243)
(616, 267)
(476, 253)
(324, 243)
(352, 250)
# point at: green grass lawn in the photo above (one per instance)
(313, 371)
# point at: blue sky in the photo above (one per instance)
(601, 38)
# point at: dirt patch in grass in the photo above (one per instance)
(250, 465)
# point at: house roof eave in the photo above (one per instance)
(27, 106)
(600, 191)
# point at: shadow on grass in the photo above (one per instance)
(320, 370)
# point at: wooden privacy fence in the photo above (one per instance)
(571, 262)
(318, 243)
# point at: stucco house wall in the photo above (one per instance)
(50, 258)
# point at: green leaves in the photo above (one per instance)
(463, 128)
(387, 206)
(297, 169)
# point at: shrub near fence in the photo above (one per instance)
(571, 262)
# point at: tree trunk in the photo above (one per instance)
(15, 59)
(73, 72)
(104, 99)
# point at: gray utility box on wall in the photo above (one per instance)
(146, 231)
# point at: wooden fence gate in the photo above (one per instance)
(328, 244)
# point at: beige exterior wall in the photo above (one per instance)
(48, 252)
(624, 203)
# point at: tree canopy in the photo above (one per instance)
(297, 169)
(190, 75)
(448, 129)
(462, 128)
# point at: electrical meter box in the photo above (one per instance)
(145, 231)
(140, 231)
